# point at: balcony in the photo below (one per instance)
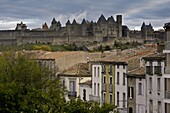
(104, 87)
(72, 94)
(94, 98)
(110, 88)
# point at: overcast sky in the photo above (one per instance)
(36, 12)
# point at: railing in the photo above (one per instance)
(110, 88)
(103, 87)
(94, 98)
(167, 94)
(72, 94)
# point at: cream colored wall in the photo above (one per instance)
(77, 81)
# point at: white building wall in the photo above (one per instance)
(140, 99)
(88, 91)
(120, 87)
(154, 94)
(97, 79)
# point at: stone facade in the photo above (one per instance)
(72, 32)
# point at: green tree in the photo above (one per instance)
(80, 106)
(27, 87)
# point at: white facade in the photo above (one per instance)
(97, 83)
(155, 87)
(85, 90)
(121, 87)
(167, 69)
(140, 95)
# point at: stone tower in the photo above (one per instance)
(147, 31)
(143, 31)
(119, 25)
(55, 25)
(84, 27)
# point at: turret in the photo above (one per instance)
(102, 20)
(74, 22)
(68, 23)
(84, 27)
(83, 22)
(55, 25)
(21, 26)
(143, 31)
(110, 19)
(119, 25)
(45, 26)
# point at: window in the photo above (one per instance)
(72, 86)
(118, 78)
(110, 72)
(149, 70)
(150, 83)
(140, 89)
(104, 69)
(94, 71)
(124, 76)
(104, 97)
(159, 84)
(117, 66)
(110, 80)
(84, 94)
(157, 70)
(150, 106)
(130, 92)
(111, 98)
(124, 66)
(159, 107)
(98, 89)
(117, 98)
(98, 70)
(104, 79)
(94, 88)
(130, 110)
(124, 100)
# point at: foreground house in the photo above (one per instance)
(71, 78)
(109, 83)
(154, 70)
(136, 91)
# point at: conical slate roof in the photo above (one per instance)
(102, 19)
(53, 21)
(74, 22)
(68, 22)
(83, 22)
(110, 19)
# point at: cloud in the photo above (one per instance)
(36, 12)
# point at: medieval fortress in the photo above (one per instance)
(101, 31)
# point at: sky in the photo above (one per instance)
(34, 13)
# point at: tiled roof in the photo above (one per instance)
(138, 71)
(80, 69)
(129, 55)
(51, 55)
